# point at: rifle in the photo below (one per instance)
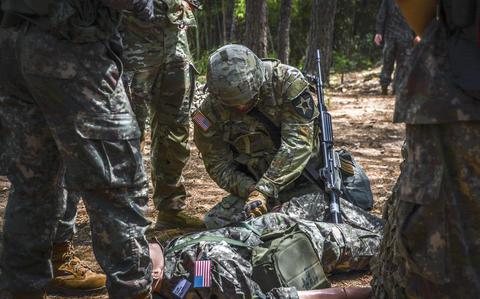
(327, 172)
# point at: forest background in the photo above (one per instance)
(291, 31)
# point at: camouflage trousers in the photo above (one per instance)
(66, 226)
(395, 53)
(167, 91)
(306, 202)
(431, 246)
(71, 126)
(162, 82)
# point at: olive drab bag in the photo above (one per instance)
(463, 25)
(287, 259)
(355, 183)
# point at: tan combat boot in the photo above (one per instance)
(71, 276)
(177, 219)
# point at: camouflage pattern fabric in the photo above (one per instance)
(160, 73)
(397, 41)
(395, 55)
(238, 150)
(431, 247)
(234, 75)
(340, 248)
(66, 228)
(391, 24)
(306, 201)
(428, 95)
(431, 243)
(65, 138)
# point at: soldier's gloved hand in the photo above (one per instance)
(256, 204)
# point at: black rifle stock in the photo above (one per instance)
(327, 172)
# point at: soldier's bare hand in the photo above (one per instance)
(256, 204)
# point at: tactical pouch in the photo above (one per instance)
(287, 259)
(355, 183)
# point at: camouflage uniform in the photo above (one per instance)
(66, 226)
(431, 247)
(341, 248)
(240, 152)
(397, 39)
(159, 69)
(70, 124)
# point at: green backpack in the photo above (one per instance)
(287, 259)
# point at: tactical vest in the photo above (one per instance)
(76, 20)
(462, 18)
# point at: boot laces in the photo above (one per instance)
(71, 261)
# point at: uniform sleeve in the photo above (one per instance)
(180, 13)
(381, 17)
(297, 144)
(219, 163)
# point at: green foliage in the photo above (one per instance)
(354, 30)
(353, 38)
(201, 64)
(240, 10)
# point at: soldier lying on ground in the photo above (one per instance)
(257, 131)
(233, 262)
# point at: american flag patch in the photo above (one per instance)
(203, 277)
(201, 121)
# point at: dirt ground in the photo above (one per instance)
(362, 124)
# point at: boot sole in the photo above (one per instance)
(59, 291)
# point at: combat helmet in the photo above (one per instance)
(234, 75)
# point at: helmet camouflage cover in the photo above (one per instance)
(234, 74)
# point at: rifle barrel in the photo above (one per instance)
(327, 173)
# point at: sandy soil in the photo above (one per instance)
(362, 124)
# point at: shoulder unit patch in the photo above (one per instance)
(304, 105)
(201, 121)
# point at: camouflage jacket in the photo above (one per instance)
(340, 248)
(428, 94)
(240, 151)
(162, 40)
(80, 21)
(391, 23)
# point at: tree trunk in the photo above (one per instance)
(321, 36)
(230, 20)
(256, 26)
(284, 30)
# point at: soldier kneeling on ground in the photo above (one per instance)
(257, 131)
